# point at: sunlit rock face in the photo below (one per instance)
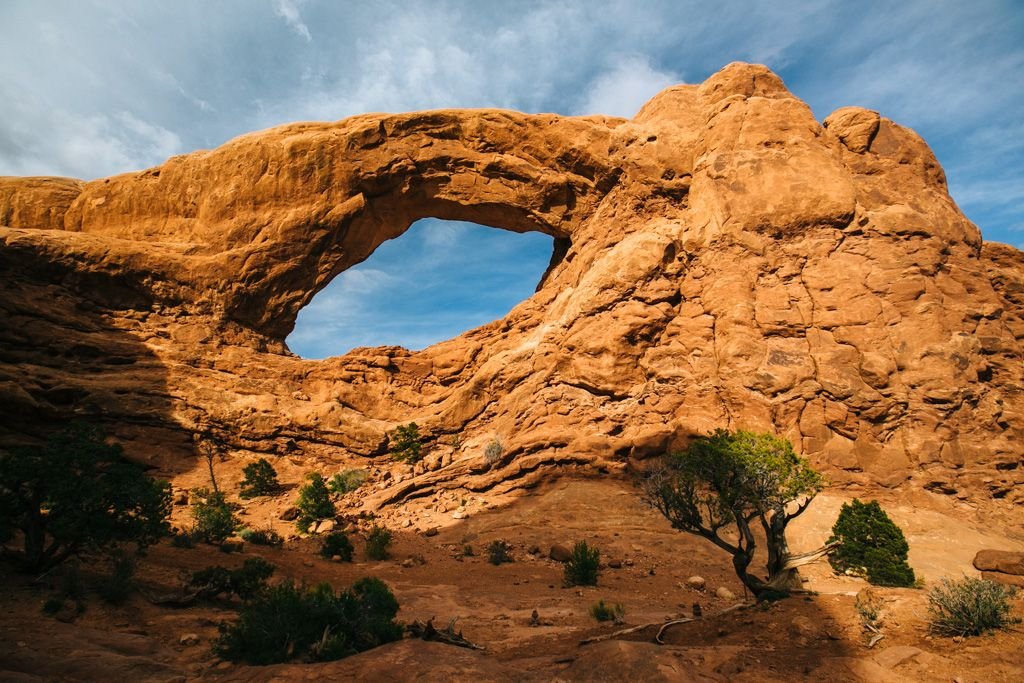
(721, 260)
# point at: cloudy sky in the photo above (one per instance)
(91, 88)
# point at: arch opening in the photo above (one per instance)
(433, 282)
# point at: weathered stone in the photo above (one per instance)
(559, 553)
(1005, 579)
(1004, 561)
(720, 259)
(289, 514)
(696, 582)
(725, 594)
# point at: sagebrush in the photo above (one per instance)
(347, 481)
(969, 607)
(603, 612)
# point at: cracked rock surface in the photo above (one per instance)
(721, 260)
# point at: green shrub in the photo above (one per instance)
(377, 542)
(214, 519)
(870, 544)
(260, 479)
(52, 605)
(582, 567)
(603, 612)
(347, 481)
(969, 607)
(314, 502)
(77, 493)
(499, 552)
(337, 544)
(405, 444)
(288, 622)
(264, 536)
(182, 539)
(115, 587)
(246, 582)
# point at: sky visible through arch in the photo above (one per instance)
(423, 287)
(96, 87)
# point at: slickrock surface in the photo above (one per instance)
(721, 260)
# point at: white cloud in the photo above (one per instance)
(289, 11)
(625, 87)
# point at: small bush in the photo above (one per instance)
(499, 552)
(492, 452)
(603, 612)
(347, 481)
(118, 585)
(969, 607)
(264, 536)
(467, 550)
(314, 502)
(337, 544)
(53, 605)
(182, 539)
(260, 479)
(377, 543)
(289, 622)
(215, 520)
(582, 567)
(870, 544)
(245, 582)
(405, 443)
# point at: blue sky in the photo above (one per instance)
(93, 88)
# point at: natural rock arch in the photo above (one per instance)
(728, 261)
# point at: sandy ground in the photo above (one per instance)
(815, 637)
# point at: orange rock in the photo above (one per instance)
(722, 259)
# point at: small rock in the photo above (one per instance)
(725, 594)
(534, 619)
(407, 562)
(802, 627)
(534, 550)
(459, 514)
(335, 558)
(615, 564)
(406, 523)
(628, 562)
(559, 553)
(325, 526)
(696, 582)
(432, 531)
(299, 396)
(189, 639)
(290, 514)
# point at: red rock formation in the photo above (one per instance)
(722, 259)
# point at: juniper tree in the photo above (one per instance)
(737, 481)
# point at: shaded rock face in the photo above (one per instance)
(721, 260)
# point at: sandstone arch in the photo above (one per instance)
(729, 261)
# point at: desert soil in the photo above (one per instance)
(817, 637)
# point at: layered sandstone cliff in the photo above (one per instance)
(722, 259)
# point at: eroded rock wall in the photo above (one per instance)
(728, 261)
